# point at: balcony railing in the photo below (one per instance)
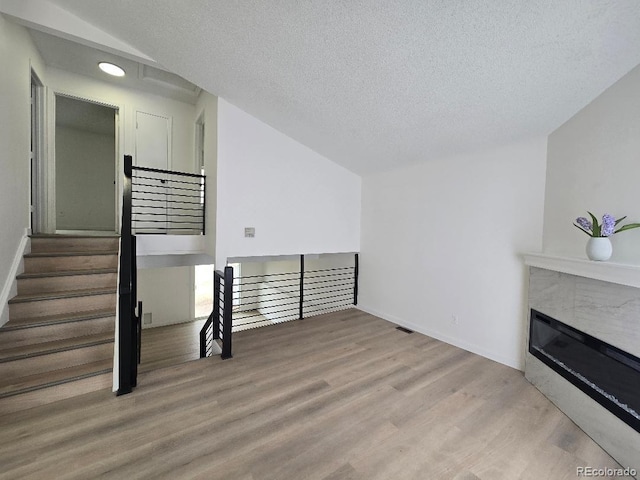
(167, 202)
(153, 202)
(281, 294)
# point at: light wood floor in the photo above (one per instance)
(337, 396)
(170, 345)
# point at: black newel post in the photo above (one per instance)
(300, 313)
(126, 324)
(355, 280)
(228, 312)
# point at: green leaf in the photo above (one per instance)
(629, 226)
(619, 220)
(596, 225)
(581, 229)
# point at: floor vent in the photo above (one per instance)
(405, 330)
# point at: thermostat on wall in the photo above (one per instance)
(249, 232)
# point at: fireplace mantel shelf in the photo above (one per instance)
(606, 271)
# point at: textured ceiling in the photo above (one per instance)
(375, 84)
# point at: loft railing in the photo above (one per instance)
(316, 286)
(282, 295)
(167, 202)
(153, 201)
(217, 328)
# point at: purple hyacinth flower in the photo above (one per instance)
(608, 225)
(584, 223)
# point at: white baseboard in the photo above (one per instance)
(509, 362)
(10, 288)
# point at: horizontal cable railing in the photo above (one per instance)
(271, 297)
(280, 296)
(167, 202)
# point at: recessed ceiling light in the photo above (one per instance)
(111, 69)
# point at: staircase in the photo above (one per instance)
(58, 342)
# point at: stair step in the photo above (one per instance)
(60, 243)
(66, 280)
(69, 261)
(35, 297)
(50, 356)
(51, 320)
(61, 303)
(38, 349)
(27, 331)
(59, 340)
(73, 387)
(49, 379)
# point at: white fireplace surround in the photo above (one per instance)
(601, 299)
(606, 271)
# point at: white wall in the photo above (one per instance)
(248, 287)
(594, 164)
(85, 172)
(444, 238)
(297, 200)
(207, 109)
(17, 53)
(167, 293)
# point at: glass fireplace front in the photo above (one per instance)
(607, 374)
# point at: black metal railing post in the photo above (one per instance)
(356, 271)
(204, 204)
(227, 313)
(139, 324)
(136, 318)
(301, 312)
(126, 374)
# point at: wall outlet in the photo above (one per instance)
(249, 232)
(146, 318)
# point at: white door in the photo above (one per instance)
(150, 200)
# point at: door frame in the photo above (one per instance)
(199, 143)
(51, 158)
(38, 179)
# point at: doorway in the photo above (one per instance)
(85, 166)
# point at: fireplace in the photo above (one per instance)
(605, 373)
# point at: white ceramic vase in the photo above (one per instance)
(599, 248)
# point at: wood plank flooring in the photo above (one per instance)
(170, 345)
(333, 397)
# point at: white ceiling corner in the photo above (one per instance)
(376, 84)
(63, 54)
